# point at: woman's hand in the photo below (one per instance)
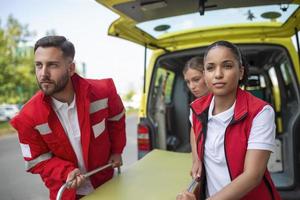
(185, 196)
(197, 165)
(196, 169)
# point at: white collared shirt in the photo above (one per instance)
(217, 174)
(68, 117)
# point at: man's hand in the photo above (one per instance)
(116, 159)
(76, 179)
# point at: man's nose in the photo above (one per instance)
(44, 71)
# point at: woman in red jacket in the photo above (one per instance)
(194, 78)
(235, 131)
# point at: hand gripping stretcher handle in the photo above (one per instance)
(195, 187)
(88, 174)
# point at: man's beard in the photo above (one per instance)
(59, 85)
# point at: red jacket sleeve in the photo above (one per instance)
(116, 119)
(38, 158)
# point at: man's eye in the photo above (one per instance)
(53, 65)
(38, 65)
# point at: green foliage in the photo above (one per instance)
(17, 78)
(51, 32)
(128, 96)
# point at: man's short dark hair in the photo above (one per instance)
(59, 42)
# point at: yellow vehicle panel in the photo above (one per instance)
(126, 27)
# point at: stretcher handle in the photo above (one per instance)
(86, 175)
(196, 187)
(193, 185)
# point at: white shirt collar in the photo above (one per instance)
(223, 116)
(57, 105)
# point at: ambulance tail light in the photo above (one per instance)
(143, 140)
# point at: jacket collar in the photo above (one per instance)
(241, 106)
(80, 85)
(240, 110)
(203, 101)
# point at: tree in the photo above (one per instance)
(51, 32)
(128, 96)
(17, 79)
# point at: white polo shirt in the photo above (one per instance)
(68, 117)
(262, 136)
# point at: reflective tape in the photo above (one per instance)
(117, 117)
(98, 105)
(44, 129)
(25, 150)
(99, 128)
(31, 163)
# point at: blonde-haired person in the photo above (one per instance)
(193, 76)
(235, 131)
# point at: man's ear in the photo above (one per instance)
(72, 68)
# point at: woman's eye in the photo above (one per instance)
(228, 66)
(209, 68)
(196, 80)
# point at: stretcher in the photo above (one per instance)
(159, 175)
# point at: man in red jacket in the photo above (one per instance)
(72, 125)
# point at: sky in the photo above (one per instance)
(85, 23)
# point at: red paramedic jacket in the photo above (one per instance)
(236, 139)
(45, 146)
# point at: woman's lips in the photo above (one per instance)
(218, 85)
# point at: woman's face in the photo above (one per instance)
(222, 71)
(195, 82)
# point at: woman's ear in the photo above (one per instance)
(242, 71)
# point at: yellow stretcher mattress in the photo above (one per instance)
(159, 175)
